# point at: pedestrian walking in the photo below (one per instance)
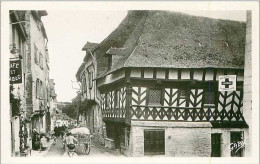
(44, 144)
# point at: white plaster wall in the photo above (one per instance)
(198, 74)
(185, 74)
(160, 74)
(148, 73)
(209, 75)
(135, 72)
(173, 74)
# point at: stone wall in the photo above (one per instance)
(182, 139)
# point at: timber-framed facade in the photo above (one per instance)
(156, 85)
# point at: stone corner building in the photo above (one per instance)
(154, 79)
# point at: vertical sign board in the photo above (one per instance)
(15, 76)
(227, 83)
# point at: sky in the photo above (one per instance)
(69, 31)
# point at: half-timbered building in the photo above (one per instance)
(156, 79)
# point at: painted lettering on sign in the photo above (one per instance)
(227, 83)
(235, 146)
(15, 76)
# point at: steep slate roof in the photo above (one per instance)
(176, 40)
(118, 38)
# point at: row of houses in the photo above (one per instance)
(32, 92)
(152, 86)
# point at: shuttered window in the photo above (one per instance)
(154, 142)
(36, 55)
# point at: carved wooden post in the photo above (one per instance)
(128, 103)
(128, 97)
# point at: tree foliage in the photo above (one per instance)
(72, 109)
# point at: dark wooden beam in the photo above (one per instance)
(166, 73)
(154, 73)
(204, 74)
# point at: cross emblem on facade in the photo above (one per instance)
(227, 83)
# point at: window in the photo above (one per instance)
(155, 97)
(154, 142)
(209, 97)
(182, 93)
(215, 145)
(90, 77)
(236, 143)
(36, 55)
(41, 90)
(83, 79)
(37, 88)
(183, 98)
(41, 60)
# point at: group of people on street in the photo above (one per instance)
(60, 131)
(39, 141)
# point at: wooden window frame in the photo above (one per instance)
(145, 148)
(148, 97)
(186, 97)
(204, 98)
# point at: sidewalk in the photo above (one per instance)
(39, 153)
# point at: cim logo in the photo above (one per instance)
(227, 83)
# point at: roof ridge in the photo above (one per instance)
(94, 48)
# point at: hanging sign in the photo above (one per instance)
(227, 83)
(15, 76)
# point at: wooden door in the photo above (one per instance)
(154, 142)
(215, 145)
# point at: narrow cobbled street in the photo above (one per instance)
(56, 150)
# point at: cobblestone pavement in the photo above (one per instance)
(56, 150)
